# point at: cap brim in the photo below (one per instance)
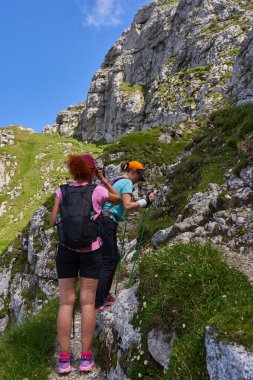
(142, 177)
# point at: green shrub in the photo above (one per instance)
(214, 151)
(26, 350)
(129, 88)
(145, 147)
(186, 288)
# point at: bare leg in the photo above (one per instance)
(67, 288)
(87, 298)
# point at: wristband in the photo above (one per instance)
(142, 202)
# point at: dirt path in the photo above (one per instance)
(96, 373)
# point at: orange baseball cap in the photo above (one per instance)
(136, 165)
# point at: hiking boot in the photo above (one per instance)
(110, 299)
(101, 308)
(64, 365)
(86, 364)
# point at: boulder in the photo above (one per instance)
(227, 361)
(123, 310)
(160, 346)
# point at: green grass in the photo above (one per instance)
(32, 173)
(214, 151)
(198, 72)
(145, 147)
(185, 288)
(129, 88)
(26, 351)
(167, 2)
(155, 221)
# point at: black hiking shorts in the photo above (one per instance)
(71, 264)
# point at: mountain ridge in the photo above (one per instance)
(173, 64)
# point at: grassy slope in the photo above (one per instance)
(29, 173)
(195, 300)
(146, 147)
(215, 150)
(185, 288)
(32, 173)
(26, 350)
(189, 286)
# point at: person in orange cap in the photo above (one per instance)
(132, 172)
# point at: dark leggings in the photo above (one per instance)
(110, 257)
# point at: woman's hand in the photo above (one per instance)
(114, 196)
(100, 175)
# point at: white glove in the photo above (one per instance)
(142, 202)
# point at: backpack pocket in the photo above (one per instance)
(78, 234)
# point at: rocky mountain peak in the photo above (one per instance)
(172, 65)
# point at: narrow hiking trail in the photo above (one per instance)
(75, 349)
(234, 259)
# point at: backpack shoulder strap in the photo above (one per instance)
(89, 191)
(113, 181)
(90, 188)
(64, 189)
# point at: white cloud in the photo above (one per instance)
(103, 12)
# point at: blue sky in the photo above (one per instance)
(50, 50)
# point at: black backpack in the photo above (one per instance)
(76, 229)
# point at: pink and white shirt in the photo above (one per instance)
(99, 197)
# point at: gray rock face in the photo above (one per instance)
(119, 337)
(171, 65)
(159, 347)
(117, 372)
(4, 292)
(24, 291)
(7, 137)
(7, 162)
(112, 171)
(20, 287)
(222, 215)
(227, 361)
(67, 121)
(241, 84)
(161, 236)
(123, 310)
(40, 253)
(7, 169)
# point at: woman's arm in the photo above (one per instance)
(55, 211)
(114, 199)
(114, 196)
(130, 206)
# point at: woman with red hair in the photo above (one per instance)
(84, 262)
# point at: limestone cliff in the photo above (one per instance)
(241, 84)
(171, 65)
(67, 121)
